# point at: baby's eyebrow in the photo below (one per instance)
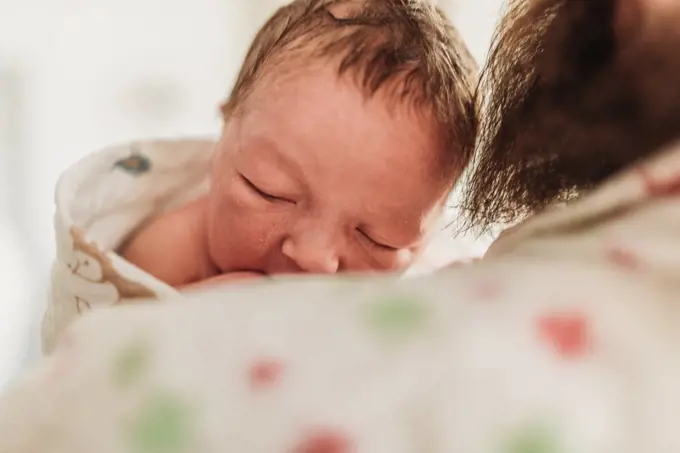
(270, 148)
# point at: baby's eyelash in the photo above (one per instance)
(375, 243)
(259, 191)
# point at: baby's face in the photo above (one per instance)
(314, 177)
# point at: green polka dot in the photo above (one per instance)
(163, 425)
(131, 364)
(398, 315)
(533, 440)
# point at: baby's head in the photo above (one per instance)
(347, 128)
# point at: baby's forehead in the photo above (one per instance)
(286, 83)
(304, 63)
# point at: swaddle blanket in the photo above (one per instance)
(100, 201)
(564, 341)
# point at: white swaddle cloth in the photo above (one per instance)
(100, 201)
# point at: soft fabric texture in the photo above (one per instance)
(100, 202)
(564, 340)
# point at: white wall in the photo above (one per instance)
(476, 20)
(80, 74)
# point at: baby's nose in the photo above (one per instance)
(312, 255)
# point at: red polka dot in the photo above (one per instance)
(325, 442)
(623, 258)
(265, 373)
(568, 334)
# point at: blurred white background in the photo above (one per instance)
(76, 75)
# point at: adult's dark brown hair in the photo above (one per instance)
(573, 92)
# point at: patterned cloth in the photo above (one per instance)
(564, 340)
(100, 201)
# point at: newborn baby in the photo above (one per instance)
(343, 136)
(348, 125)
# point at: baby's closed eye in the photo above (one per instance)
(379, 244)
(265, 194)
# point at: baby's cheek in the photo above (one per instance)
(243, 233)
(234, 196)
